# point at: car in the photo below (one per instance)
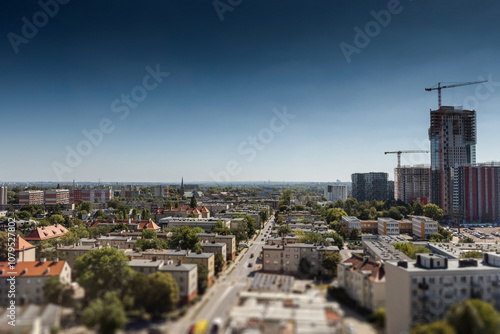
(262, 239)
(244, 245)
(216, 326)
(250, 264)
(251, 255)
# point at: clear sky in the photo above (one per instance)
(215, 114)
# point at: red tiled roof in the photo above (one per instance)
(361, 264)
(148, 225)
(186, 208)
(20, 243)
(47, 232)
(32, 269)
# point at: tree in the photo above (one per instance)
(335, 214)
(149, 234)
(219, 262)
(378, 317)
(436, 327)
(69, 238)
(467, 240)
(86, 206)
(472, 255)
(331, 260)
(80, 231)
(185, 238)
(104, 269)
(410, 249)
(194, 203)
(240, 231)
(202, 278)
(395, 214)
(99, 214)
(198, 230)
(56, 219)
(3, 246)
(337, 239)
(221, 228)
(312, 237)
(433, 211)
(354, 234)
(162, 294)
(417, 208)
(107, 314)
(284, 230)
(55, 292)
(24, 214)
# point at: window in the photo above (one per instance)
(288, 256)
(267, 255)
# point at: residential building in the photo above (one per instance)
(382, 249)
(31, 197)
(335, 192)
(206, 224)
(56, 196)
(116, 242)
(452, 134)
(413, 184)
(73, 252)
(364, 226)
(24, 251)
(100, 194)
(186, 276)
(207, 259)
(284, 312)
(182, 211)
(215, 247)
(372, 186)
(424, 289)
(3, 195)
(294, 258)
(476, 193)
(229, 240)
(32, 319)
(146, 267)
(363, 280)
(30, 278)
(423, 226)
(46, 233)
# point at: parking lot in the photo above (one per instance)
(480, 234)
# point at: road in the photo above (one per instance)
(223, 294)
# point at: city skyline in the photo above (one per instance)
(207, 86)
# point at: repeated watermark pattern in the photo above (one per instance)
(223, 6)
(11, 281)
(30, 28)
(372, 29)
(120, 106)
(250, 147)
(482, 92)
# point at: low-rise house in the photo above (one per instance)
(24, 251)
(229, 240)
(75, 251)
(186, 276)
(30, 278)
(46, 233)
(215, 247)
(363, 280)
(116, 242)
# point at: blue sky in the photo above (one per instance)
(226, 78)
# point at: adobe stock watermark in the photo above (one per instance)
(30, 28)
(121, 106)
(372, 29)
(250, 147)
(222, 6)
(482, 92)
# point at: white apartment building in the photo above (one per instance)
(335, 192)
(423, 226)
(351, 222)
(388, 226)
(422, 290)
(363, 280)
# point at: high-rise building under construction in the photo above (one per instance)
(452, 136)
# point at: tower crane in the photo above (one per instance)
(400, 152)
(439, 87)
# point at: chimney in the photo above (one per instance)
(179, 262)
(42, 260)
(198, 252)
(153, 259)
(56, 260)
(178, 248)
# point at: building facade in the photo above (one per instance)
(3, 195)
(412, 184)
(452, 136)
(372, 186)
(99, 194)
(363, 280)
(423, 290)
(31, 197)
(56, 196)
(423, 226)
(335, 192)
(476, 193)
